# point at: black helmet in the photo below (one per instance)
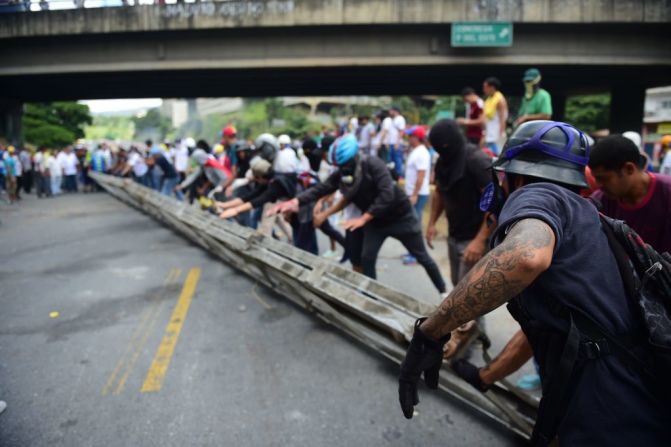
(267, 146)
(548, 150)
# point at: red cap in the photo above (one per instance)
(229, 131)
(417, 131)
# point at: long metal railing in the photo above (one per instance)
(365, 309)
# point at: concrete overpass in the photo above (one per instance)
(310, 47)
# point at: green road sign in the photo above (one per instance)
(482, 34)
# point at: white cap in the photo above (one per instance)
(284, 139)
(633, 136)
(190, 142)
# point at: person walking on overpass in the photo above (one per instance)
(387, 212)
(536, 102)
(553, 263)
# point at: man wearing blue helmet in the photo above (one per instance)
(386, 210)
(551, 262)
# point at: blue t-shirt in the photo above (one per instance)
(612, 404)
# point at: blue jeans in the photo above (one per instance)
(419, 205)
(168, 188)
(397, 158)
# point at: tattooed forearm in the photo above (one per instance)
(499, 276)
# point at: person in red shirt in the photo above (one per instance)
(475, 116)
(628, 192)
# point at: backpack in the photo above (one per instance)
(646, 277)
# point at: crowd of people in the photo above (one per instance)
(522, 225)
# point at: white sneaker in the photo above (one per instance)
(330, 254)
(3, 405)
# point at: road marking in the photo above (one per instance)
(148, 313)
(159, 365)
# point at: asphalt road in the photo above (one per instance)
(156, 343)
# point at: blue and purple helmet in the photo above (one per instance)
(549, 150)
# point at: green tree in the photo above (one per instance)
(110, 128)
(152, 123)
(588, 112)
(55, 124)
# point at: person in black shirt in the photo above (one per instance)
(462, 172)
(271, 187)
(552, 263)
(170, 177)
(366, 182)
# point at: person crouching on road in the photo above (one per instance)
(271, 187)
(387, 212)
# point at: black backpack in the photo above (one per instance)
(646, 277)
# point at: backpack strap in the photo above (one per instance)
(555, 398)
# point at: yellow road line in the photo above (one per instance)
(148, 315)
(159, 365)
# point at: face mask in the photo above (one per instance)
(347, 172)
(493, 197)
(530, 87)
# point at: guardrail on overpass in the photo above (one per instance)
(368, 311)
(289, 13)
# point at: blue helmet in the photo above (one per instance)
(549, 150)
(343, 150)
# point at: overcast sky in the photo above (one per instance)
(120, 105)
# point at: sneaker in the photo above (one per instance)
(529, 382)
(330, 254)
(409, 260)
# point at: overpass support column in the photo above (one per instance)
(558, 105)
(626, 108)
(11, 112)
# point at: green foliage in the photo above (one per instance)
(588, 112)
(55, 124)
(152, 123)
(110, 128)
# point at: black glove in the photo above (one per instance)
(470, 373)
(424, 355)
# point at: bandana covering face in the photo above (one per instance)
(349, 189)
(531, 87)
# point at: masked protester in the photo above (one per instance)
(552, 262)
(536, 103)
(387, 212)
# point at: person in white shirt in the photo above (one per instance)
(68, 162)
(56, 171)
(364, 134)
(137, 164)
(417, 174)
(394, 138)
(181, 159)
(42, 180)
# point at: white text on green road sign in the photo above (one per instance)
(482, 34)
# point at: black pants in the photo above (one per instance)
(305, 236)
(27, 181)
(331, 232)
(70, 183)
(408, 231)
(354, 246)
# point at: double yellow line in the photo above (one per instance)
(124, 367)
